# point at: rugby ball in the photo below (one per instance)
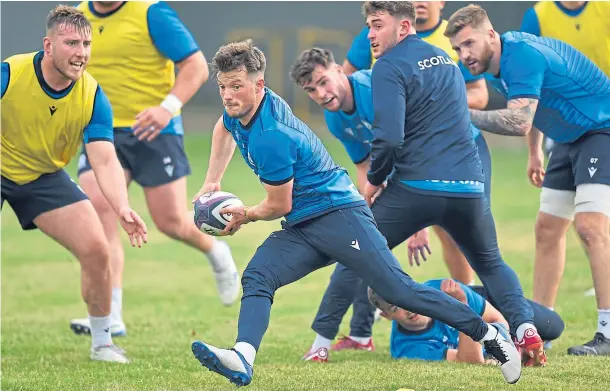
(207, 217)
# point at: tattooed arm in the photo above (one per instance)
(515, 120)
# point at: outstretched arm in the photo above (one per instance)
(515, 120)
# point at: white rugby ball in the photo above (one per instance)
(207, 211)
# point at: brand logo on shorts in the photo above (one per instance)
(169, 168)
(355, 245)
(592, 171)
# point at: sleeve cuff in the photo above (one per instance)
(187, 55)
(529, 96)
(93, 139)
(373, 180)
(276, 183)
(364, 159)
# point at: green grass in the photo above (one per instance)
(170, 300)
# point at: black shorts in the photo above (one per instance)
(151, 164)
(587, 160)
(47, 193)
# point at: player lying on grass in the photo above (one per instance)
(326, 220)
(420, 337)
(551, 88)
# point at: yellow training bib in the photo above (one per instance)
(42, 129)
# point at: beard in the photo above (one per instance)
(486, 57)
(243, 113)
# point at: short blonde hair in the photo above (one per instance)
(472, 15)
(66, 15)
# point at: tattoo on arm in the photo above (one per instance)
(515, 120)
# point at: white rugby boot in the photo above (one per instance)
(109, 353)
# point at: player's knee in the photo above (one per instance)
(592, 228)
(555, 328)
(95, 255)
(557, 203)
(172, 225)
(546, 230)
(258, 281)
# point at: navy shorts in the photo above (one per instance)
(587, 160)
(151, 164)
(47, 193)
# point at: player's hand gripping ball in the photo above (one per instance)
(208, 218)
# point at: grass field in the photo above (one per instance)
(170, 300)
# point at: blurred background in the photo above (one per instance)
(281, 29)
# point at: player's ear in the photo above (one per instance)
(46, 46)
(405, 26)
(260, 85)
(492, 35)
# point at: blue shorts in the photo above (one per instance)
(47, 193)
(151, 164)
(587, 160)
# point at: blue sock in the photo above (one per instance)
(253, 319)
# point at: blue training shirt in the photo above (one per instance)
(573, 93)
(433, 145)
(169, 35)
(100, 124)
(279, 147)
(432, 343)
(6, 74)
(354, 129)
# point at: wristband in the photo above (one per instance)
(171, 103)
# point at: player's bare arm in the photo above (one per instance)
(515, 120)
(535, 162)
(192, 73)
(109, 175)
(362, 170)
(478, 95)
(468, 351)
(278, 203)
(223, 147)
